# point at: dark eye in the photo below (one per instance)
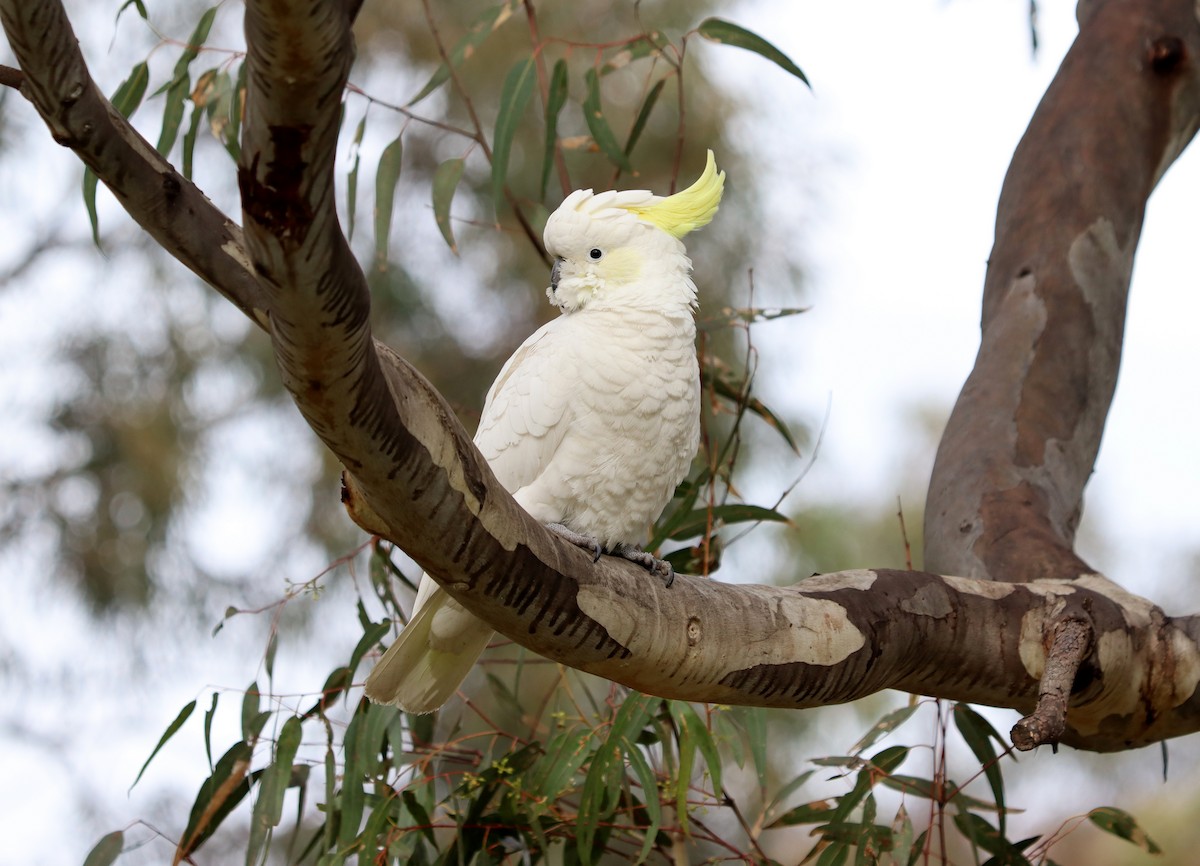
(596, 254)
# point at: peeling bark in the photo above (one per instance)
(1007, 486)
(1010, 471)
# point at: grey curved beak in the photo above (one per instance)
(554, 275)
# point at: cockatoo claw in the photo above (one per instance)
(587, 542)
(648, 561)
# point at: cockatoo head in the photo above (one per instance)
(623, 249)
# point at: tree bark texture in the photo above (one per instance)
(1010, 472)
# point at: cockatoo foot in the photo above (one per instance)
(587, 542)
(648, 561)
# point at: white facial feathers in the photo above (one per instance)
(604, 254)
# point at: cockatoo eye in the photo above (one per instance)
(595, 254)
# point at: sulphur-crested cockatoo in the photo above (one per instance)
(594, 421)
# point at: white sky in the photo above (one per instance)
(922, 104)
(916, 110)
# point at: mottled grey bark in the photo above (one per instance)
(415, 478)
(1006, 492)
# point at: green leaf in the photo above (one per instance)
(445, 182)
(514, 97)
(983, 835)
(1120, 823)
(555, 99)
(724, 384)
(727, 317)
(278, 775)
(352, 799)
(754, 722)
(696, 522)
(835, 855)
(883, 727)
(218, 796)
(902, 835)
(250, 708)
(129, 93)
(387, 176)
(371, 636)
(167, 734)
(602, 133)
(108, 849)
(352, 182)
(649, 783)
(691, 726)
(177, 94)
(787, 790)
(269, 656)
(189, 148)
(807, 813)
(978, 735)
(208, 720)
(727, 33)
(420, 815)
(89, 201)
(178, 88)
(137, 4)
(483, 27)
(639, 125)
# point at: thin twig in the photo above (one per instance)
(11, 77)
(539, 59)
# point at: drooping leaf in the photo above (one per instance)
(106, 851)
(352, 790)
(639, 124)
(179, 85)
(129, 93)
(387, 176)
(806, 813)
(445, 182)
(218, 796)
(167, 734)
(1121, 823)
(978, 733)
(251, 701)
(649, 783)
(555, 99)
(883, 727)
(371, 636)
(89, 201)
(602, 133)
(137, 4)
(688, 524)
(728, 33)
(483, 27)
(277, 776)
(208, 720)
(514, 97)
(721, 379)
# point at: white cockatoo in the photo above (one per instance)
(594, 420)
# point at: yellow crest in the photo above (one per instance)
(689, 209)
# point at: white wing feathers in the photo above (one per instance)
(523, 423)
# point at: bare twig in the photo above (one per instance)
(1071, 641)
(539, 58)
(10, 77)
